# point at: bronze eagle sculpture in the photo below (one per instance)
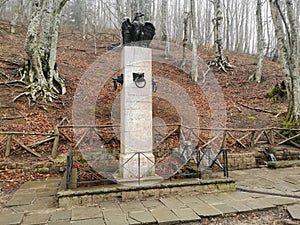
(136, 32)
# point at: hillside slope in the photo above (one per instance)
(243, 98)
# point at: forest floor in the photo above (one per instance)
(246, 102)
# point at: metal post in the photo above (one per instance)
(198, 163)
(170, 164)
(139, 167)
(225, 159)
(68, 175)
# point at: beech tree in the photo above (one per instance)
(40, 70)
(285, 25)
(194, 42)
(2, 2)
(185, 39)
(260, 44)
(164, 27)
(17, 9)
(220, 61)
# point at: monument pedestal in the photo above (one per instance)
(136, 158)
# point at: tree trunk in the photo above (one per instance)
(41, 69)
(294, 108)
(260, 43)
(194, 42)
(164, 29)
(2, 2)
(208, 13)
(288, 49)
(220, 61)
(17, 9)
(185, 39)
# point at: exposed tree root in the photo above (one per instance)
(221, 64)
(37, 91)
(13, 82)
(44, 88)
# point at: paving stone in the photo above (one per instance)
(31, 208)
(141, 217)
(11, 218)
(239, 206)
(172, 203)
(133, 222)
(34, 219)
(256, 195)
(132, 206)
(277, 200)
(199, 207)
(211, 199)
(59, 223)
(225, 208)
(86, 213)
(186, 215)
(286, 187)
(111, 218)
(31, 185)
(46, 192)
(164, 216)
(258, 204)
(291, 180)
(151, 204)
(21, 199)
(61, 215)
(294, 211)
(45, 202)
(110, 206)
(4, 211)
(189, 199)
(237, 195)
(89, 222)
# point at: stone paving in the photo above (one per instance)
(258, 189)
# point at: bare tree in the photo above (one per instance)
(194, 42)
(2, 2)
(288, 51)
(17, 9)
(185, 39)
(260, 44)
(220, 61)
(41, 71)
(164, 28)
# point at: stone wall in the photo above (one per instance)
(57, 166)
(96, 195)
(240, 161)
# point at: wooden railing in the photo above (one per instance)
(108, 134)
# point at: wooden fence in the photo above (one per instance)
(228, 137)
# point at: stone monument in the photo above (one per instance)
(136, 156)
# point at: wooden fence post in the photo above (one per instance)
(91, 138)
(272, 141)
(8, 145)
(55, 143)
(224, 142)
(252, 139)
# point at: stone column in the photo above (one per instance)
(136, 158)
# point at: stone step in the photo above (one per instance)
(283, 164)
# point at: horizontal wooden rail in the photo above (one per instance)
(228, 137)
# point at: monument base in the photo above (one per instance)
(143, 181)
(136, 165)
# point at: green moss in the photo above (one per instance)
(249, 116)
(277, 93)
(287, 124)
